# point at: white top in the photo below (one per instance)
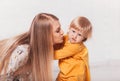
(18, 58)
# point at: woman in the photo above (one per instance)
(28, 57)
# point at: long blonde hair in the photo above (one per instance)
(40, 40)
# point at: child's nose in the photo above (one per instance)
(75, 35)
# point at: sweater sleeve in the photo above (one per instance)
(67, 51)
(18, 58)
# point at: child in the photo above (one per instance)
(73, 56)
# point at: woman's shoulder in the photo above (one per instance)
(22, 48)
(21, 52)
(18, 58)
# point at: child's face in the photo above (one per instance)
(75, 36)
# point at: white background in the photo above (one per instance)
(16, 17)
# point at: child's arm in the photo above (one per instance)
(67, 51)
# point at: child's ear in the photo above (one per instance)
(84, 39)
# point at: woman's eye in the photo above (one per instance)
(57, 31)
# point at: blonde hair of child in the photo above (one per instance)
(84, 25)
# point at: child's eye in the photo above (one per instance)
(73, 31)
(79, 34)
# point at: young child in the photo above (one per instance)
(73, 56)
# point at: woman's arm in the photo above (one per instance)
(18, 58)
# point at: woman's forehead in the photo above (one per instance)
(56, 25)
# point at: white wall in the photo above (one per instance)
(16, 17)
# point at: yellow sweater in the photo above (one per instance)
(73, 62)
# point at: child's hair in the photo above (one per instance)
(84, 25)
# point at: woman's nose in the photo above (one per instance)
(62, 32)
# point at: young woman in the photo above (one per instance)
(27, 57)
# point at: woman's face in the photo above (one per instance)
(57, 33)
